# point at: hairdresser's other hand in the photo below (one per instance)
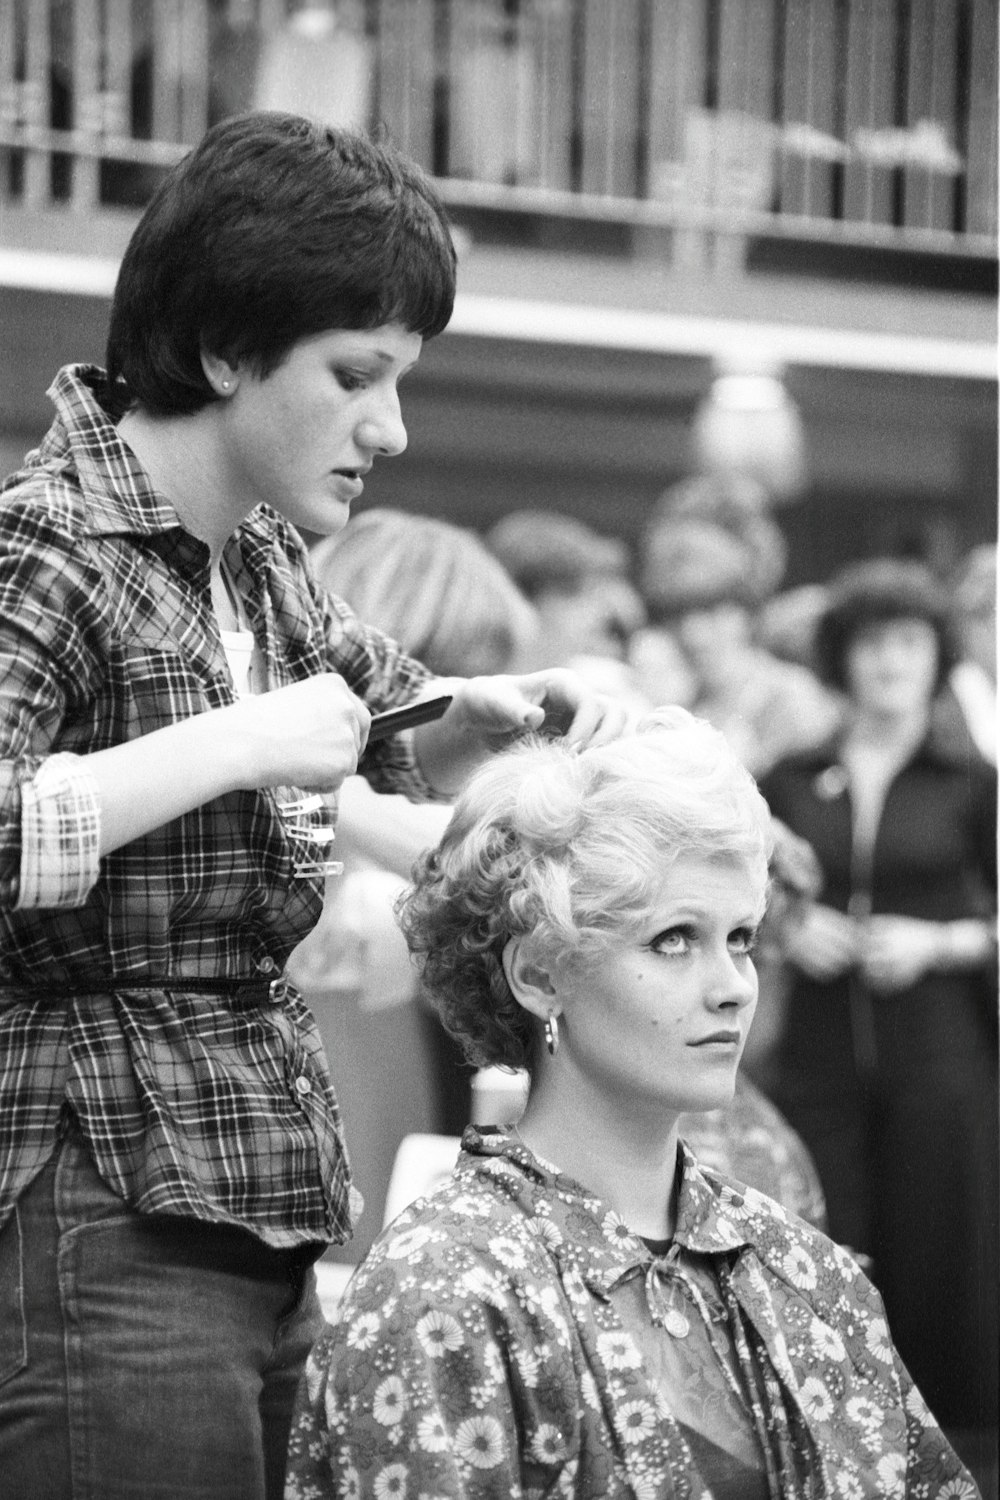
(824, 944)
(487, 713)
(307, 735)
(897, 951)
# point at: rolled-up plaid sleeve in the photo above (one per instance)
(60, 834)
(51, 629)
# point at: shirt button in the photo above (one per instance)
(266, 965)
(303, 1086)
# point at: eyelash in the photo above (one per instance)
(351, 380)
(746, 936)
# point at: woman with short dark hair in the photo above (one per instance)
(177, 696)
(888, 1062)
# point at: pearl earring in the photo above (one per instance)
(225, 385)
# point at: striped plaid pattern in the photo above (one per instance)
(192, 1104)
(61, 815)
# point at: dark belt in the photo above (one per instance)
(244, 991)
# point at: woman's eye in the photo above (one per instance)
(351, 380)
(674, 940)
(743, 940)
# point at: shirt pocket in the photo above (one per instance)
(154, 686)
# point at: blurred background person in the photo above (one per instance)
(439, 582)
(435, 585)
(709, 558)
(578, 581)
(887, 1062)
(786, 623)
(972, 681)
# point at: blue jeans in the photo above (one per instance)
(143, 1356)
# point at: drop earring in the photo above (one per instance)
(552, 1033)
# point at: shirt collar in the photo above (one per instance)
(711, 1215)
(117, 491)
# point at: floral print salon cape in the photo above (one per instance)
(476, 1353)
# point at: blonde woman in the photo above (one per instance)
(583, 1309)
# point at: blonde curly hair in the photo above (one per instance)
(571, 847)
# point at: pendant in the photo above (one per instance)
(676, 1323)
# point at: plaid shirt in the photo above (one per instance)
(193, 1104)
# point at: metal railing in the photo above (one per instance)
(871, 122)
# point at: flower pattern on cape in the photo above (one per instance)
(478, 1354)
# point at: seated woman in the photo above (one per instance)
(582, 1309)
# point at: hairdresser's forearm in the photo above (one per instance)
(160, 776)
(305, 735)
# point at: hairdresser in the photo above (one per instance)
(175, 689)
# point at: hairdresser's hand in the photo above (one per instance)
(897, 951)
(824, 944)
(487, 713)
(307, 735)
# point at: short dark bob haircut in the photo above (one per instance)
(273, 229)
(868, 593)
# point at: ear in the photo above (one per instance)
(530, 977)
(221, 376)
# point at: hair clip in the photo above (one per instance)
(306, 820)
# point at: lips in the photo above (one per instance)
(350, 481)
(717, 1038)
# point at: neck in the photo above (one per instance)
(183, 459)
(890, 734)
(625, 1156)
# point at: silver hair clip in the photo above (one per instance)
(307, 823)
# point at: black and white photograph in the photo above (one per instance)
(499, 948)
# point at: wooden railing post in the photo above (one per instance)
(33, 102)
(871, 122)
(405, 101)
(9, 92)
(981, 146)
(88, 111)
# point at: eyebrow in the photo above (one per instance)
(384, 358)
(694, 914)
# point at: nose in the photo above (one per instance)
(732, 984)
(381, 429)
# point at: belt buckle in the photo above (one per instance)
(278, 990)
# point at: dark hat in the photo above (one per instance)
(880, 589)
